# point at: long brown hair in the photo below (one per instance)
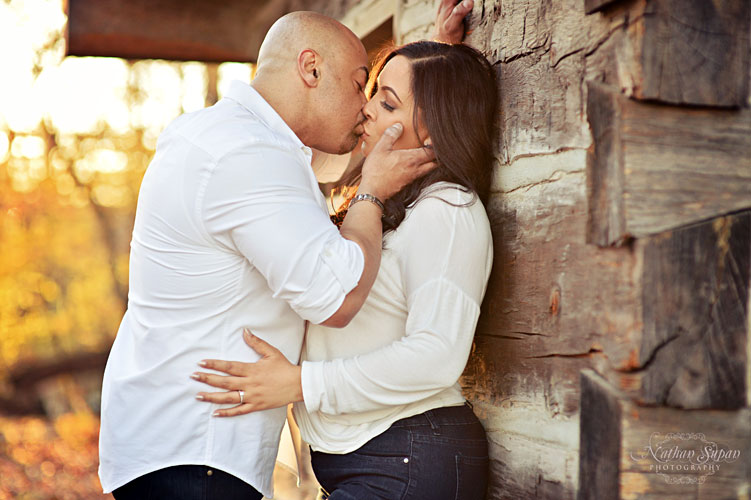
(456, 97)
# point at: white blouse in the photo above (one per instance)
(404, 351)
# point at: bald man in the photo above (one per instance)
(231, 232)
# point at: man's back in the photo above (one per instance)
(201, 270)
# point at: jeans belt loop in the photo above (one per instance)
(434, 426)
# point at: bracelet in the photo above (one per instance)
(368, 197)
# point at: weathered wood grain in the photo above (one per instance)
(657, 167)
(691, 349)
(695, 290)
(599, 440)
(695, 52)
(641, 436)
(554, 306)
(549, 291)
(170, 29)
(591, 6)
(195, 30)
(533, 452)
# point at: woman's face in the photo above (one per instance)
(393, 103)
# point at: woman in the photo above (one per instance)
(383, 411)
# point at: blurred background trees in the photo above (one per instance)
(76, 135)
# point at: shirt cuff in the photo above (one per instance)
(313, 388)
(340, 266)
(346, 260)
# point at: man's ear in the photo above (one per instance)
(308, 66)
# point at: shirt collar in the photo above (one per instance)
(250, 99)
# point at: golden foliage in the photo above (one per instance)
(43, 460)
(57, 289)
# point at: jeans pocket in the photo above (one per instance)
(471, 477)
(368, 474)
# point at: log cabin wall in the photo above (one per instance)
(621, 218)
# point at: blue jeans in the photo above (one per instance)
(187, 482)
(441, 454)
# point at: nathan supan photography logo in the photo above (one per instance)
(685, 457)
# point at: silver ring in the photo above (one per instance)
(242, 396)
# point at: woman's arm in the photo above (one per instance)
(445, 266)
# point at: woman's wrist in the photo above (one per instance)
(371, 189)
(369, 198)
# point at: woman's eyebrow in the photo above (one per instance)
(393, 92)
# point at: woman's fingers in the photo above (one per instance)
(260, 346)
(234, 411)
(269, 383)
(252, 403)
(236, 368)
(225, 398)
(220, 381)
(220, 398)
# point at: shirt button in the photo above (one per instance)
(406, 460)
(209, 472)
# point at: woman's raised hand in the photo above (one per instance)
(270, 382)
(449, 22)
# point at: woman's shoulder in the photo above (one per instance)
(444, 205)
(450, 192)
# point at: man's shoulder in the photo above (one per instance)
(226, 128)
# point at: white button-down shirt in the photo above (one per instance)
(231, 231)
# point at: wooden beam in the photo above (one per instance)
(695, 291)
(695, 52)
(655, 167)
(644, 437)
(680, 52)
(690, 349)
(599, 439)
(231, 30)
(367, 15)
(591, 6)
(196, 30)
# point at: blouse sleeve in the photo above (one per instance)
(445, 257)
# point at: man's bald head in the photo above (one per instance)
(298, 31)
(312, 70)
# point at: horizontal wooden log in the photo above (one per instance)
(591, 6)
(533, 453)
(195, 30)
(629, 452)
(671, 51)
(551, 294)
(654, 167)
(695, 290)
(554, 306)
(695, 52)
